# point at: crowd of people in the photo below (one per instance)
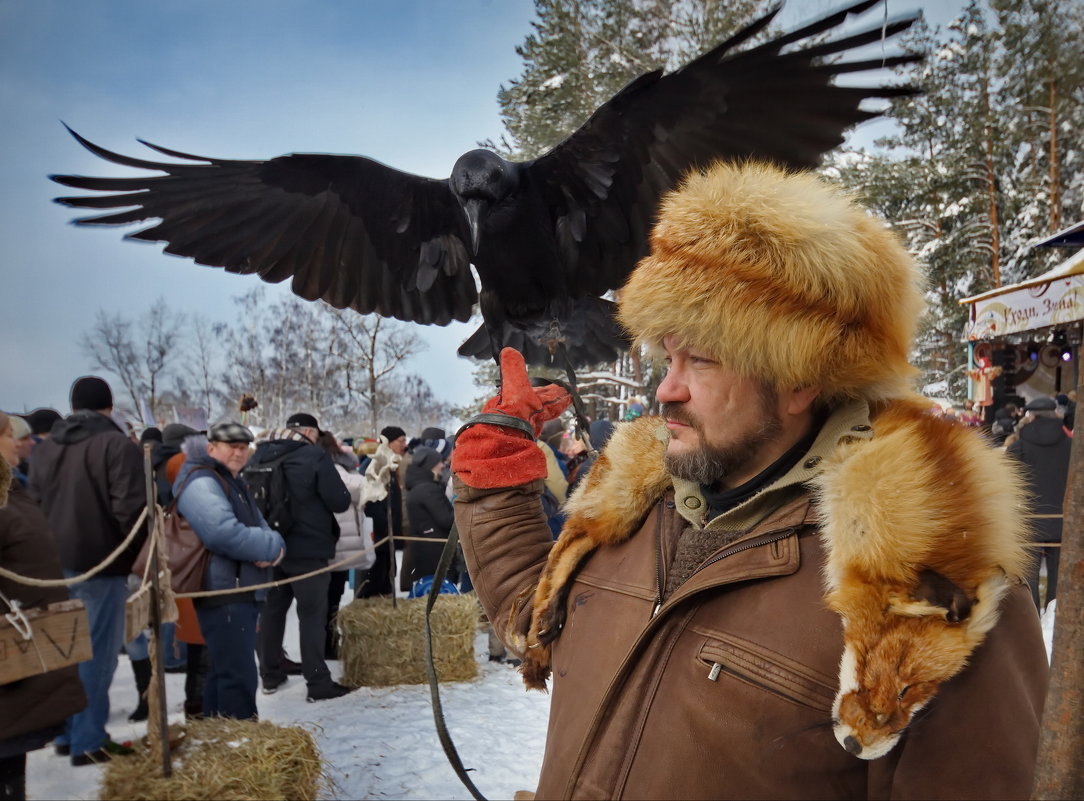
(285, 517)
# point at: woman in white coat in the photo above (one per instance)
(355, 535)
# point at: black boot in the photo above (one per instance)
(194, 679)
(13, 778)
(142, 670)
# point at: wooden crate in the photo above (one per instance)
(60, 636)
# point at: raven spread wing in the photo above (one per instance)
(603, 183)
(346, 229)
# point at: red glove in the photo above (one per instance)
(487, 456)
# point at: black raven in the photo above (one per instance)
(548, 237)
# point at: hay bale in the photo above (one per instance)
(382, 645)
(220, 758)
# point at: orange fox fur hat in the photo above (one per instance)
(781, 277)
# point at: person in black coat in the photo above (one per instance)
(33, 710)
(1043, 448)
(316, 493)
(429, 511)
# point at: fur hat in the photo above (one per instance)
(782, 278)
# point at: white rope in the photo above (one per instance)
(67, 582)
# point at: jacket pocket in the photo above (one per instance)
(767, 670)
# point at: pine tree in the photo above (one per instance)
(1042, 93)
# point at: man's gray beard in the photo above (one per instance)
(710, 464)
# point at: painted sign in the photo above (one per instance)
(1056, 302)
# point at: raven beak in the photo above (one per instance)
(474, 208)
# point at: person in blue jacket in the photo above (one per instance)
(220, 509)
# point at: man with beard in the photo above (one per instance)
(756, 591)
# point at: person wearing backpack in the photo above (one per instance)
(296, 483)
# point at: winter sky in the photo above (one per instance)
(411, 83)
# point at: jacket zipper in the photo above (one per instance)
(658, 563)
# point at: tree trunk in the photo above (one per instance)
(991, 188)
(1058, 773)
(1054, 175)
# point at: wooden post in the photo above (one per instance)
(1058, 773)
(158, 657)
(391, 545)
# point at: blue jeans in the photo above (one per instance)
(174, 649)
(230, 632)
(104, 598)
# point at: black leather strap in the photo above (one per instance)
(431, 671)
(497, 419)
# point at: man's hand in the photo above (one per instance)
(489, 455)
(519, 399)
(282, 553)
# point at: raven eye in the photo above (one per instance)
(903, 692)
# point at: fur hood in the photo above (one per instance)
(923, 526)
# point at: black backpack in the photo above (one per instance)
(267, 483)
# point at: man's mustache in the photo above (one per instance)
(678, 413)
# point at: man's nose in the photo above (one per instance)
(672, 389)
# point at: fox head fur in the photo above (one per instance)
(894, 663)
(924, 536)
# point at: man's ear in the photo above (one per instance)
(801, 398)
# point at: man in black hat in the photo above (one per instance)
(88, 478)
(314, 494)
(1043, 448)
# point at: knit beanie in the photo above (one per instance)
(783, 279)
(392, 433)
(91, 392)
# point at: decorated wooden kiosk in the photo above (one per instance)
(1024, 339)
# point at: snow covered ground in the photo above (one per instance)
(379, 743)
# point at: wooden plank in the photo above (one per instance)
(60, 636)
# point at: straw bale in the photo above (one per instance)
(382, 645)
(221, 758)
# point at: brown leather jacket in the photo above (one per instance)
(726, 690)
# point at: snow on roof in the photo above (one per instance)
(1074, 265)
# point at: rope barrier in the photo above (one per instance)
(280, 582)
(67, 582)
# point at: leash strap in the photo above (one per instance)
(498, 419)
(431, 670)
